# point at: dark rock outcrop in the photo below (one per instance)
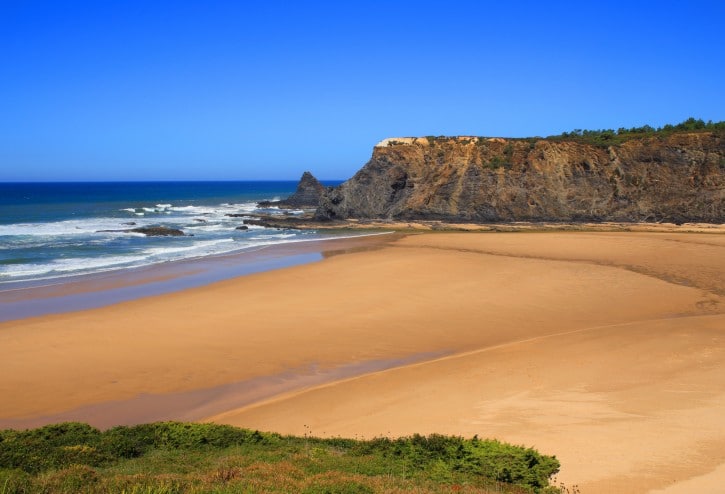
(158, 231)
(675, 178)
(308, 194)
(270, 222)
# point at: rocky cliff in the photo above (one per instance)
(678, 177)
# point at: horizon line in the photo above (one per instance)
(160, 180)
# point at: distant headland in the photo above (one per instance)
(673, 174)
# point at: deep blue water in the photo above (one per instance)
(50, 230)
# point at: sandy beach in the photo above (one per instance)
(604, 349)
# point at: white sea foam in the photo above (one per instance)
(68, 227)
(51, 241)
(65, 266)
(277, 236)
(201, 227)
(215, 210)
(200, 248)
(220, 210)
(215, 235)
(216, 219)
(197, 246)
(161, 251)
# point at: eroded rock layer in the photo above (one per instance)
(677, 178)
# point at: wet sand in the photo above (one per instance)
(605, 349)
(66, 294)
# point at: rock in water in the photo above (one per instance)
(158, 231)
(678, 177)
(308, 194)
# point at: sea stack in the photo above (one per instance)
(308, 194)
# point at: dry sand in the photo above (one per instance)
(605, 349)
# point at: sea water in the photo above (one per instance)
(56, 230)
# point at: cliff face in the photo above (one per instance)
(676, 178)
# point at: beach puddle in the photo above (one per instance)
(202, 403)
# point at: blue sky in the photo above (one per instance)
(126, 90)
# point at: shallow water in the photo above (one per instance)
(41, 297)
(55, 230)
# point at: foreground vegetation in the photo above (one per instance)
(172, 457)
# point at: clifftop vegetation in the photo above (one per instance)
(609, 137)
(600, 138)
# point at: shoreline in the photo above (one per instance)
(19, 300)
(307, 222)
(564, 341)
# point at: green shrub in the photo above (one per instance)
(51, 447)
(72, 455)
(498, 162)
(14, 481)
(441, 455)
(130, 442)
(71, 480)
(188, 435)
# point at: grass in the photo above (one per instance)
(173, 457)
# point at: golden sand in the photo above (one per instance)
(605, 349)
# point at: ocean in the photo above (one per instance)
(56, 230)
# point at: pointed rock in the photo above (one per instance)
(308, 194)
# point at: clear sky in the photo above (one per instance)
(143, 90)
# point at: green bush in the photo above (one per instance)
(185, 435)
(498, 162)
(61, 445)
(71, 480)
(129, 442)
(490, 458)
(72, 455)
(14, 481)
(52, 446)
